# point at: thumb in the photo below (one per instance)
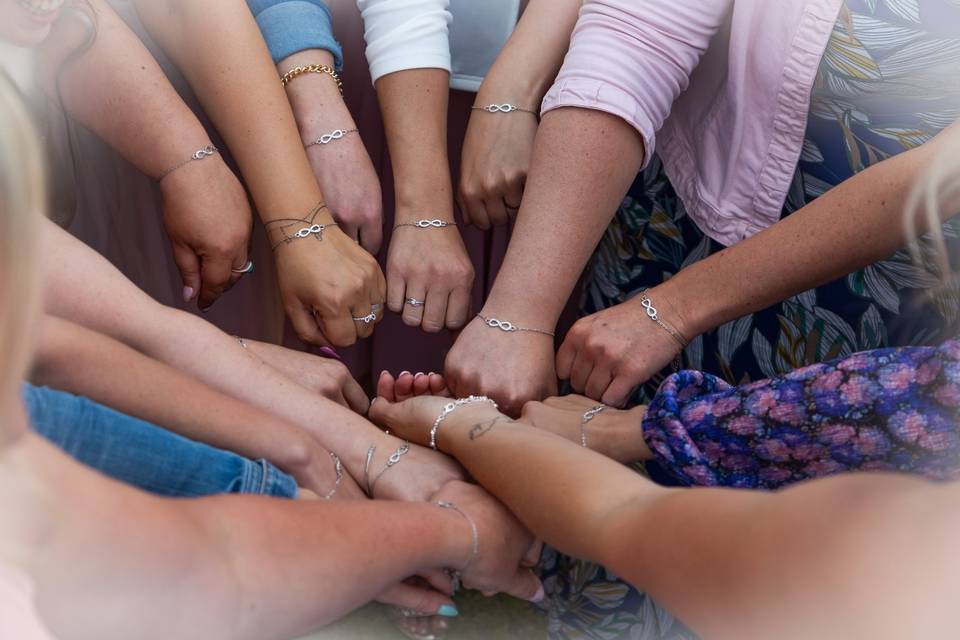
(381, 411)
(188, 263)
(526, 586)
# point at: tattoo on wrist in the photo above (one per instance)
(481, 429)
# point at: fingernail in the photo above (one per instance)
(539, 595)
(330, 353)
(448, 611)
(404, 373)
(418, 374)
(372, 402)
(431, 374)
(187, 294)
(383, 373)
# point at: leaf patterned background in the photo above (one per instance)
(888, 82)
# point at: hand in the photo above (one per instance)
(208, 219)
(506, 549)
(326, 376)
(430, 265)
(511, 368)
(614, 433)
(325, 284)
(315, 470)
(608, 354)
(496, 158)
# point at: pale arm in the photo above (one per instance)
(218, 47)
(497, 147)
(86, 289)
(429, 264)
(848, 556)
(118, 90)
(853, 225)
(234, 567)
(83, 362)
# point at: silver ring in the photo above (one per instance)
(367, 319)
(413, 302)
(247, 268)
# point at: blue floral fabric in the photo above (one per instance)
(890, 410)
(886, 84)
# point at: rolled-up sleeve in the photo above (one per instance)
(291, 26)
(633, 59)
(406, 34)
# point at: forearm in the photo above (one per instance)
(584, 162)
(851, 226)
(148, 123)
(84, 288)
(311, 95)
(218, 47)
(212, 567)
(414, 107)
(568, 493)
(83, 362)
(528, 64)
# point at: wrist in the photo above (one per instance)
(456, 428)
(689, 313)
(524, 90)
(456, 537)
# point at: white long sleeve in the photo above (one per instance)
(406, 34)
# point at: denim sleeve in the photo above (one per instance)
(290, 26)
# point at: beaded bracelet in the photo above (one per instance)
(449, 408)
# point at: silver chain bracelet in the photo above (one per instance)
(654, 315)
(333, 136)
(338, 467)
(502, 108)
(449, 408)
(509, 327)
(426, 224)
(475, 548)
(587, 417)
(392, 461)
(199, 154)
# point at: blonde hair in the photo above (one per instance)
(22, 202)
(935, 194)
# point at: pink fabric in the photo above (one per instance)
(18, 616)
(719, 88)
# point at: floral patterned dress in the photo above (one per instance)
(888, 82)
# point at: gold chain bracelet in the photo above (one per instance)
(312, 68)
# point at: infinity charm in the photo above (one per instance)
(330, 137)
(423, 224)
(501, 108)
(316, 229)
(503, 325)
(399, 453)
(367, 319)
(651, 312)
(205, 152)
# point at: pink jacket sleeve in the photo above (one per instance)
(632, 58)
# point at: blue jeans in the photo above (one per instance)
(144, 455)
